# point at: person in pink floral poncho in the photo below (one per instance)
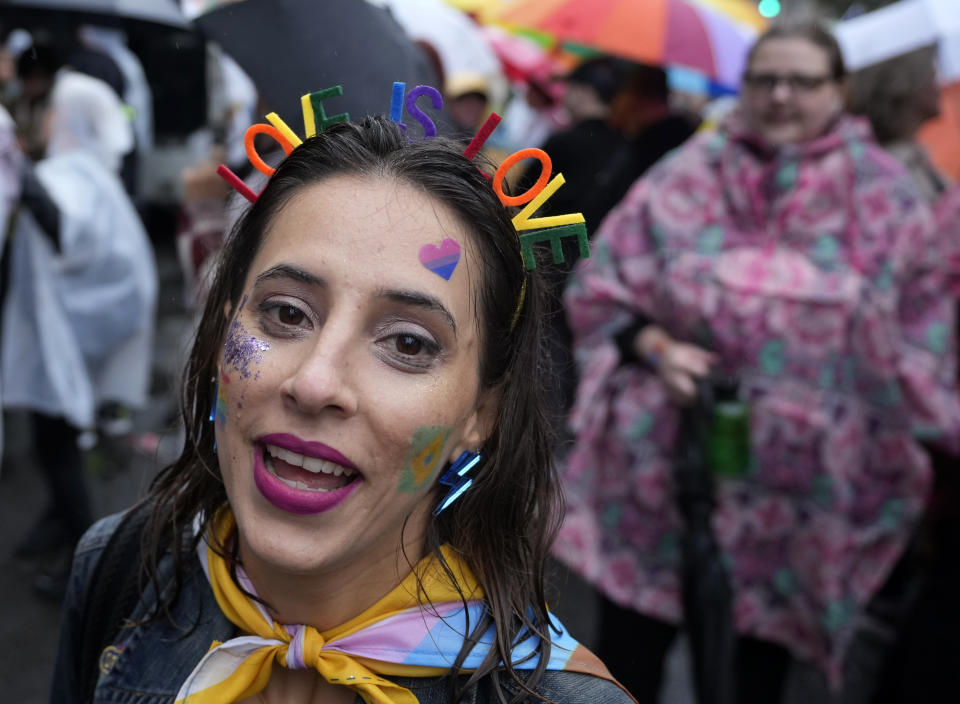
(788, 250)
(948, 221)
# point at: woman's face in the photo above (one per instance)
(349, 377)
(789, 93)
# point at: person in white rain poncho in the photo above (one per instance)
(11, 159)
(79, 312)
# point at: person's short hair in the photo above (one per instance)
(804, 27)
(99, 64)
(648, 81)
(505, 523)
(39, 59)
(605, 75)
(888, 93)
(460, 85)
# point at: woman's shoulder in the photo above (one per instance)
(561, 687)
(876, 163)
(884, 162)
(94, 541)
(97, 540)
(565, 687)
(881, 172)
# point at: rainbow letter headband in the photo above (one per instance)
(530, 230)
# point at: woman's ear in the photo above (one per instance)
(481, 422)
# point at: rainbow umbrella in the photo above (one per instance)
(743, 11)
(662, 32)
(523, 59)
(482, 10)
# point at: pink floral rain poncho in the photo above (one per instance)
(814, 274)
(948, 224)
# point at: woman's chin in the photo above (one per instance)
(286, 551)
(782, 134)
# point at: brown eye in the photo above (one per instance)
(289, 315)
(409, 345)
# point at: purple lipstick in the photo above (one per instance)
(300, 478)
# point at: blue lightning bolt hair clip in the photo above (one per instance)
(456, 478)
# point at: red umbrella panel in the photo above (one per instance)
(524, 59)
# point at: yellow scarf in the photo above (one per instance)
(241, 667)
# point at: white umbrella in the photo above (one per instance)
(459, 40)
(903, 27)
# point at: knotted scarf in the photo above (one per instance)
(396, 636)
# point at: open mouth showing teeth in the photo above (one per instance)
(306, 473)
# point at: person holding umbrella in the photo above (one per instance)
(786, 266)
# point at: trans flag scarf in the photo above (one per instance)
(395, 636)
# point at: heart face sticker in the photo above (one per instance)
(441, 260)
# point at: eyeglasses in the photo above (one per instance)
(795, 82)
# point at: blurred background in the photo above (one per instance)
(190, 79)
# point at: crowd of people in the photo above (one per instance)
(381, 458)
(79, 282)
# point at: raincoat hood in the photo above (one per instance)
(86, 115)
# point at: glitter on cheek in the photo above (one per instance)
(242, 349)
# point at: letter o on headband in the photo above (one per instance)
(510, 162)
(252, 155)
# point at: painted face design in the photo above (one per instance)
(423, 457)
(358, 366)
(441, 260)
(220, 409)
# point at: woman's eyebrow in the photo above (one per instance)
(419, 300)
(288, 271)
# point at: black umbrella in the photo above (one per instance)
(172, 52)
(117, 12)
(707, 596)
(293, 47)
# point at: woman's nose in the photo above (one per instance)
(323, 378)
(781, 91)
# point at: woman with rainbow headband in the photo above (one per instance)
(366, 497)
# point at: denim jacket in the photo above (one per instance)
(147, 664)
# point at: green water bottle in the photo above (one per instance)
(728, 435)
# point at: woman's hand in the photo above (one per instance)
(678, 364)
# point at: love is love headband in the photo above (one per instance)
(530, 230)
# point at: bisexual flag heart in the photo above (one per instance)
(441, 260)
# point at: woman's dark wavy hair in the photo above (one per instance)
(503, 526)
